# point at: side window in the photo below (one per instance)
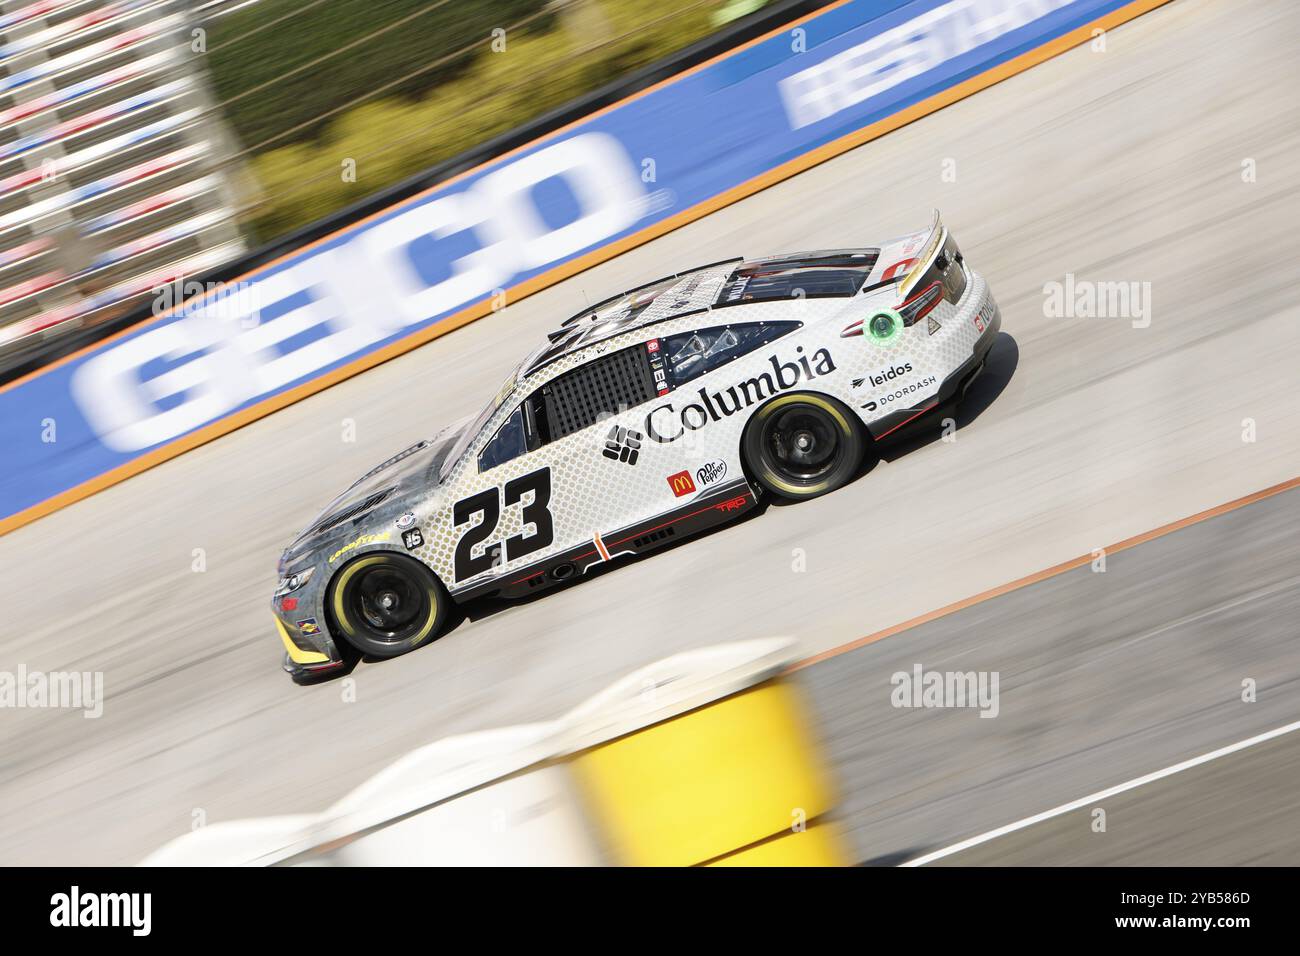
(510, 441)
(692, 354)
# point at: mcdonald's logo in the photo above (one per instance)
(681, 483)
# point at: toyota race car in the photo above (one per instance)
(647, 417)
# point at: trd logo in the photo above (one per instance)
(622, 444)
(681, 483)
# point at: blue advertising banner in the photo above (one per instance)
(518, 218)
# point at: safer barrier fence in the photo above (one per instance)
(526, 220)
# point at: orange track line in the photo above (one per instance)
(524, 289)
(1051, 572)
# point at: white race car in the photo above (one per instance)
(645, 418)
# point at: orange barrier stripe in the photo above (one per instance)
(524, 289)
(1051, 572)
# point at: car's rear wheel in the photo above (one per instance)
(802, 445)
(386, 604)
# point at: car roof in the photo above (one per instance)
(665, 298)
(827, 273)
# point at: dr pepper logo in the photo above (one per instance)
(681, 483)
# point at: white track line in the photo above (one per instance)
(1101, 795)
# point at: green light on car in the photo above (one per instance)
(884, 325)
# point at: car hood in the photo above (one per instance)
(390, 483)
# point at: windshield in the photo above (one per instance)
(466, 436)
(473, 428)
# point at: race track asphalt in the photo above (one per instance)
(1103, 677)
(1238, 811)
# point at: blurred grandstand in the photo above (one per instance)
(148, 141)
(115, 174)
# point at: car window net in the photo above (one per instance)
(598, 389)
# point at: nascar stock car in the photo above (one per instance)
(647, 417)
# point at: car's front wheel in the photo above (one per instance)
(386, 604)
(802, 445)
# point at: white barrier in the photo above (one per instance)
(514, 796)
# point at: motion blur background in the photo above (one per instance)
(1160, 148)
(145, 140)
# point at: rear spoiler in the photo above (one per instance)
(933, 243)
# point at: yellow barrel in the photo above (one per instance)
(738, 781)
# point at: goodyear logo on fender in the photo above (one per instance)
(362, 541)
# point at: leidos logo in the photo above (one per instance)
(725, 403)
(880, 378)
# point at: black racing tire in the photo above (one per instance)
(386, 604)
(801, 445)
